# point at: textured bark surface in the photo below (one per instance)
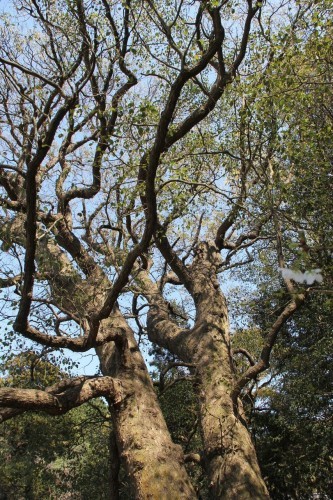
(229, 456)
(61, 397)
(154, 464)
(104, 148)
(231, 460)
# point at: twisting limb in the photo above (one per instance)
(21, 321)
(160, 327)
(245, 353)
(148, 170)
(297, 299)
(61, 397)
(263, 363)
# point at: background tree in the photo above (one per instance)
(294, 416)
(43, 456)
(291, 416)
(122, 201)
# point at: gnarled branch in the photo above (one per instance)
(59, 398)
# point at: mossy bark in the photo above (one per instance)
(154, 464)
(229, 456)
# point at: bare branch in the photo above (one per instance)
(245, 353)
(32, 73)
(61, 397)
(270, 340)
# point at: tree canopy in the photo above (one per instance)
(166, 171)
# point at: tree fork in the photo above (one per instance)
(154, 464)
(230, 458)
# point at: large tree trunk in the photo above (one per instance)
(153, 463)
(230, 457)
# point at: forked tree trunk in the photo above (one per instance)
(230, 457)
(153, 463)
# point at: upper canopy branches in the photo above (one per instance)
(107, 154)
(93, 97)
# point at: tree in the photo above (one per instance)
(295, 413)
(290, 416)
(120, 197)
(43, 456)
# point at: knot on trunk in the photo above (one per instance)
(207, 252)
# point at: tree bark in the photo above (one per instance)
(229, 456)
(153, 463)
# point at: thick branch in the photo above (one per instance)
(75, 344)
(270, 340)
(61, 397)
(245, 353)
(161, 329)
(31, 220)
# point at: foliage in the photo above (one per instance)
(291, 406)
(293, 418)
(152, 158)
(42, 456)
(48, 457)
